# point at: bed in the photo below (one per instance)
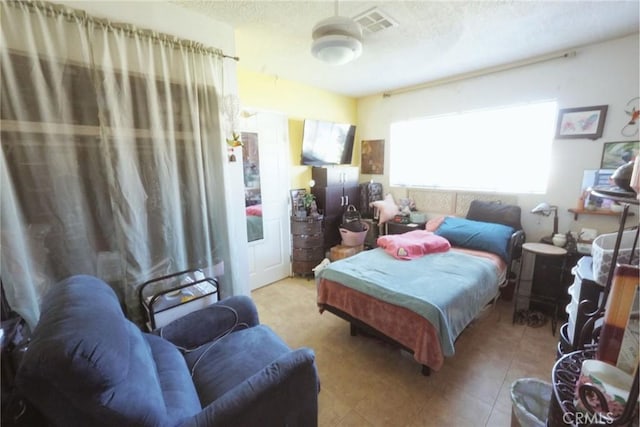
(422, 303)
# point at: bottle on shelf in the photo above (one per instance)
(580, 205)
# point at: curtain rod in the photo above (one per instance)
(77, 14)
(482, 72)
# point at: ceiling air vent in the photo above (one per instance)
(374, 20)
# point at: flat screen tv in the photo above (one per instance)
(327, 143)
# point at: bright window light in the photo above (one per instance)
(504, 150)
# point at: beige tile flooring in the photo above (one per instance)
(368, 383)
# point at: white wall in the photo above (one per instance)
(602, 74)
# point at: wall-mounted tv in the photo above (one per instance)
(327, 143)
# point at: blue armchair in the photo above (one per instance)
(87, 365)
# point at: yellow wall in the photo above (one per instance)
(298, 102)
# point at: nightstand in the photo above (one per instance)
(398, 228)
(307, 241)
(541, 278)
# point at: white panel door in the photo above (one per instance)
(269, 256)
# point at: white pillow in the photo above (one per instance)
(387, 208)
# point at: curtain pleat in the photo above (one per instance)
(111, 156)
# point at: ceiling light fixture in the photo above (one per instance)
(336, 40)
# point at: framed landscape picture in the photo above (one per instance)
(616, 154)
(582, 122)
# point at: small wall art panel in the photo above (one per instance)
(581, 122)
(433, 201)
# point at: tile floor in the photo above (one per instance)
(368, 383)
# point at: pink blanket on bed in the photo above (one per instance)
(404, 326)
(413, 244)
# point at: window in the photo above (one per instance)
(503, 150)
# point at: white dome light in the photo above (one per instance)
(337, 40)
(336, 50)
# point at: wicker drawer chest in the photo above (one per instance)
(307, 244)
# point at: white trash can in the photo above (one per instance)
(530, 398)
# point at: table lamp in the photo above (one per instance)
(545, 209)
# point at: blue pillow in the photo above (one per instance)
(484, 236)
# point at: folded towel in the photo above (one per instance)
(413, 244)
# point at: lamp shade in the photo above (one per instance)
(622, 176)
(543, 208)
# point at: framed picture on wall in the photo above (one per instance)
(297, 199)
(372, 157)
(581, 122)
(616, 154)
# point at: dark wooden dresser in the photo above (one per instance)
(336, 187)
(307, 244)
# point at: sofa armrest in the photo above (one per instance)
(283, 393)
(210, 323)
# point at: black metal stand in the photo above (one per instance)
(152, 291)
(567, 369)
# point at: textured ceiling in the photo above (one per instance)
(433, 39)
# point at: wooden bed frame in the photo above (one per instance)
(358, 326)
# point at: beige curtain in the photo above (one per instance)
(112, 155)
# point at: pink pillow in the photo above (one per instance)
(254, 210)
(413, 244)
(387, 208)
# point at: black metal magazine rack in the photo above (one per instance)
(168, 297)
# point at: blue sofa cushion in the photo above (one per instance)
(68, 337)
(284, 393)
(98, 364)
(232, 359)
(176, 384)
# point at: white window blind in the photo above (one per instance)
(504, 150)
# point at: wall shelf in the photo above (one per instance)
(602, 212)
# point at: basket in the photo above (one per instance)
(354, 238)
(602, 253)
(530, 398)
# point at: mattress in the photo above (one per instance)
(424, 304)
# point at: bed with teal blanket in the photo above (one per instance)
(424, 304)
